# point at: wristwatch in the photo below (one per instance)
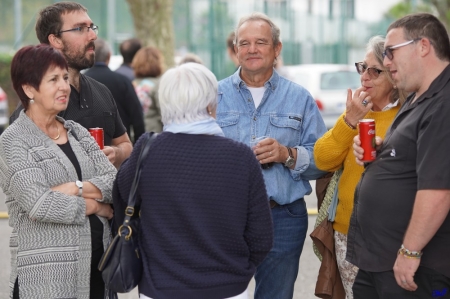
(80, 187)
(290, 161)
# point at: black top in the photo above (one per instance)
(122, 89)
(205, 217)
(93, 107)
(415, 156)
(96, 283)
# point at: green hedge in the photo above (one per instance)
(5, 80)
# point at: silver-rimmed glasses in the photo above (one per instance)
(389, 51)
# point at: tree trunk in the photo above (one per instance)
(153, 24)
(443, 7)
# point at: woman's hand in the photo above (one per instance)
(67, 188)
(98, 208)
(357, 106)
(70, 188)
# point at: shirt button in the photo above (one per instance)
(249, 100)
(254, 118)
(82, 106)
(84, 100)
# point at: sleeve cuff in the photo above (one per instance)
(303, 159)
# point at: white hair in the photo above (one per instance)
(185, 92)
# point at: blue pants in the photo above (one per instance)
(275, 276)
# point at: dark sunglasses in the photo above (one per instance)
(373, 72)
(389, 52)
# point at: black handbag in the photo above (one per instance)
(121, 263)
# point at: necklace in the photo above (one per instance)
(57, 137)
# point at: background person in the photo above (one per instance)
(148, 65)
(67, 27)
(203, 231)
(230, 49)
(128, 48)
(190, 57)
(128, 104)
(402, 201)
(57, 183)
(256, 101)
(377, 99)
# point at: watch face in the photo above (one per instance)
(290, 162)
(79, 184)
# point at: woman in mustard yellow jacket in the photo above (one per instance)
(378, 99)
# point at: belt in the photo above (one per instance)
(273, 203)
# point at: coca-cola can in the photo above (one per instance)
(367, 137)
(97, 133)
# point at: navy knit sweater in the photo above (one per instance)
(205, 218)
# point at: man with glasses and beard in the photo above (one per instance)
(399, 233)
(67, 27)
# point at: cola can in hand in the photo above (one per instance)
(97, 133)
(367, 137)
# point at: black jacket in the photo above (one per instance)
(127, 102)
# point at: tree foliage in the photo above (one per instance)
(440, 8)
(153, 25)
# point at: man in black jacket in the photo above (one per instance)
(122, 89)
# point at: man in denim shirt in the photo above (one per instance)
(255, 101)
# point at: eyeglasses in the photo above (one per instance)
(373, 72)
(82, 29)
(389, 52)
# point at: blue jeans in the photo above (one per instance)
(275, 276)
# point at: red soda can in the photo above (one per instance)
(367, 137)
(97, 133)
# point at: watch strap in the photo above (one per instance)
(80, 187)
(290, 152)
(290, 160)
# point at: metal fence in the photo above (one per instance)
(312, 31)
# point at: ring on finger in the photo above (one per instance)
(364, 102)
(270, 153)
(404, 281)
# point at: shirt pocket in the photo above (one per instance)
(49, 163)
(229, 123)
(286, 128)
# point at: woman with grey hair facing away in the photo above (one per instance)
(205, 217)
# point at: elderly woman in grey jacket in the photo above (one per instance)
(57, 183)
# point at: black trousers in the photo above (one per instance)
(16, 289)
(382, 285)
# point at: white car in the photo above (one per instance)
(328, 84)
(4, 111)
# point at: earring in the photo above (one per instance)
(210, 113)
(31, 101)
(395, 86)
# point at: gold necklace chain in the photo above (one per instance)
(57, 137)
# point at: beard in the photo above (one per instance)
(79, 61)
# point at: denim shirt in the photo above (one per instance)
(287, 113)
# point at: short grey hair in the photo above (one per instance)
(258, 16)
(102, 50)
(376, 46)
(185, 92)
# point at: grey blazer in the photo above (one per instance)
(51, 240)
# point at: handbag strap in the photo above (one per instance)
(129, 211)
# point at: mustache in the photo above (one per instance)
(90, 45)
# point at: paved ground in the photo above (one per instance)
(304, 287)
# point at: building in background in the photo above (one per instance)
(312, 31)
